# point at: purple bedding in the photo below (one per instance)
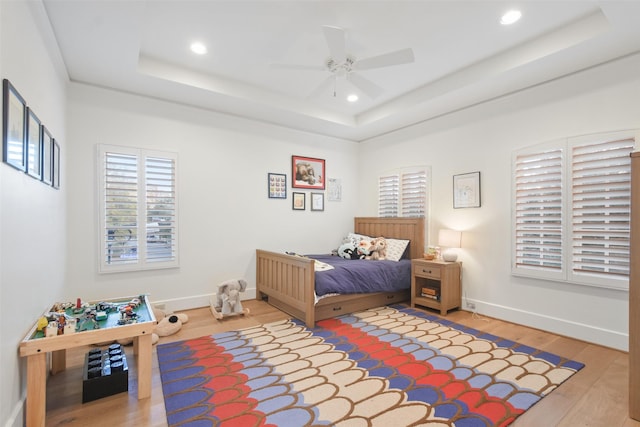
(362, 276)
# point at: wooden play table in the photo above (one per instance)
(35, 348)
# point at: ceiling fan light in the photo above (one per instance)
(198, 48)
(352, 98)
(510, 17)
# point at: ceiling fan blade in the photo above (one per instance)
(298, 67)
(323, 87)
(403, 56)
(335, 37)
(368, 87)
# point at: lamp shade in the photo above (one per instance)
(449, 239)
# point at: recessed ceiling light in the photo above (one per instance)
(352, 98)
(510, 17)
(198, 48)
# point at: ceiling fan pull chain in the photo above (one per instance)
(335, 84)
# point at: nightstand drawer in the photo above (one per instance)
(430, 272)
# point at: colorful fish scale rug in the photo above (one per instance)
(387, 367)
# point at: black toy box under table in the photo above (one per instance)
(105, 373)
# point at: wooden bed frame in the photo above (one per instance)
(288, 282)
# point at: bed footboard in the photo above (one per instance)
(287, 282)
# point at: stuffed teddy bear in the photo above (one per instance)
(378, 249)
(228, 296)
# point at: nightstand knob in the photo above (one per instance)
(426, 271)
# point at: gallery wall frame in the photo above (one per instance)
(317, 201)
(34, 145)
(55, 170)
(334, 189)
(299, 201)
(307, 172)
(27, 144)
(277, 185)
(47, 156)
(466, 190)
(14, 124)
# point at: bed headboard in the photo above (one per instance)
(395, 228)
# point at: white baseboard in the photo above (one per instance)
(580, 331)
(196, 301)
(17, 414)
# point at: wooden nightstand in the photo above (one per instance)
(436, 284)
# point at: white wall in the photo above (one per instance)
(32, 215)
(48, 246)
(483, 139)
(225, 213)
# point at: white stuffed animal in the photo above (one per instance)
(228, 296)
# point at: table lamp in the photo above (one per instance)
(449, 239)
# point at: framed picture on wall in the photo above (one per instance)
(299, 201)
(307, 172)
(466, 190)
(14, 116)
(277, 183)
(317, 201)
(55, 170)
(47, 155)
(34, 145)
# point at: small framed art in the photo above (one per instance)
(55, 170)
(334, 189)
(466, 190)
(14, 118)
(34, 145)
(47, 156)
(307, 172)
(277, 185)
(298, 201)
(317, 201)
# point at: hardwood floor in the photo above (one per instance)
(595, 396)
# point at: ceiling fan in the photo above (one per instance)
(341, 64)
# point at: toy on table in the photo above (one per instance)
(57, 324)
(68, 317)
(89, 316)
(43, 322)
(227, 302)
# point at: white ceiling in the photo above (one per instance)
(463, 55)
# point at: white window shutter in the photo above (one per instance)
(161, 209)
(388, 195)
(120, 233)
(404, 193)
(538, 211)
(601, 191)
(138, 209)
(414, 194)
(571, 217)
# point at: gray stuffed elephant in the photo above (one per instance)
(228, 296)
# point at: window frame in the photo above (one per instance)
(399, 175)
(568, 231)
(142, 261)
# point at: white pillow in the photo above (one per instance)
(355, 238)
(396, 248)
